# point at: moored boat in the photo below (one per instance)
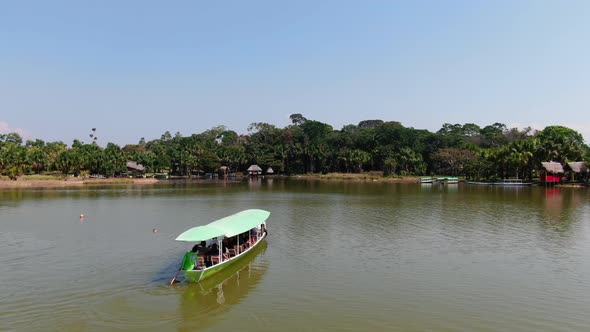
(452, 180)
(222, 242)
(479, 183)
(512, 182)
(448, 180)
(427, 180)
(506, 182)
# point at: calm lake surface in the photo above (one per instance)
(340, 256)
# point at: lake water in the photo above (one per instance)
(340, 256)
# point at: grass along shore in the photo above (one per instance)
(370, 176)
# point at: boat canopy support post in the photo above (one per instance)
(220, 248)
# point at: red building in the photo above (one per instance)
(552, 172)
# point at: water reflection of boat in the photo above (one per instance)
(204, 303)
(231, 238)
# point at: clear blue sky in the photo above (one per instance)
(140, 68)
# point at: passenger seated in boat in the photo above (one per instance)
(225, 252)
(200, 263)
(214, 260)
(231, 252)
(211, 255)
(196, 247)
(213, 250)
(243, 238)
(196, 256)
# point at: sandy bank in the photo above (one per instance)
(69, 182)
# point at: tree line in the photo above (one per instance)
(308, 146)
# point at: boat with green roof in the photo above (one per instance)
(427, 180)
(221, 243)
(448, 180)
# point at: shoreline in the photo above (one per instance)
(35, 183)
(355, 177)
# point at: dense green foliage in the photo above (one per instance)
(308, 146)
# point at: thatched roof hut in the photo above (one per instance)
(223, 171)
(578, 166)
(134, 166)
(254, 170)
(552, 167)
(270, 171)
(552, 172)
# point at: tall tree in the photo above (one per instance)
(561, 144)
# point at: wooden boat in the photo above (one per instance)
(512, 182)
(427, 180)
(231, 238)
(506, 182)
(479, 183)
(452, 180)
(448, 180)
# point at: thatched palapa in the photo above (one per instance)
(254, 170)
(552, 167)
(132, 165)
(223, 171)
(578, 166)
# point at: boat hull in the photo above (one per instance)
(506, 184)
(447, 180)
(199, 275)
(427, 180)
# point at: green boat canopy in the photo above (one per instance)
(201, 233)
(228, 226)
